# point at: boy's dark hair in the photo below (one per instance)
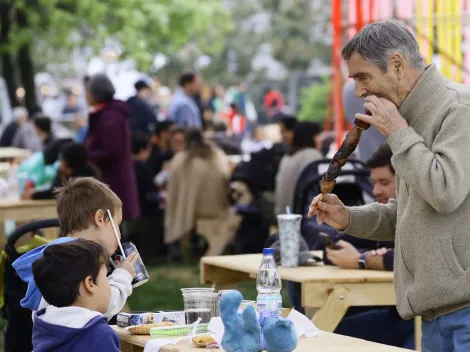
(75, 155)
(63, 267)
(139, 142)
(163, 126)
(382, 157)
(79, 200)
(43, 123)
(178, 129)
(289, 122)
(304, 134)
(141, 84)
(187, 77)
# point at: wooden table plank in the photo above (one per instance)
(26, 210)
(249, 264)
(326, 343)
(10, 153)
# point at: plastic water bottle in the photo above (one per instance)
(269, 285)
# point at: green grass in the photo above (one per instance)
(162, 291)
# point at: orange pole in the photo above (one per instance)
(359, 15)
(371, 11)
(337, 89)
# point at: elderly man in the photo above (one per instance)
(426, 120)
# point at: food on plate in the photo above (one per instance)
(203, 341)
(145, 329)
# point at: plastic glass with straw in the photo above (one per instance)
(142, 275)
(289, 237)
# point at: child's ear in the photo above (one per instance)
(99, 218)
(89, 285)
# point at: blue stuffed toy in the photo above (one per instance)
(243, 332)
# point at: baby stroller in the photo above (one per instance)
(18, 332)
(353, 187)
(252, 193)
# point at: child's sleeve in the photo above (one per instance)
(121, 287)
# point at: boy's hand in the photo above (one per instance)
(129, 263)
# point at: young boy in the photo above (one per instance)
(72, 278)
(82, 207)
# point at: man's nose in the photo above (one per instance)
(376, 191)
(359, 91)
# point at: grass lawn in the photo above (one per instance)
(162, 292)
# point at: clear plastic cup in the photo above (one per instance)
(199, 304)
(197, 289)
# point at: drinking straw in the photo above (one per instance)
(288, 210)
(116, 234)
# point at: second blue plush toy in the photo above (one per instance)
(243, 331)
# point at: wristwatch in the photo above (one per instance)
(362, 261)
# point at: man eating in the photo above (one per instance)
(425, 118)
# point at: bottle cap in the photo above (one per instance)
(268, 251)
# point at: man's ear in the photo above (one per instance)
(99, 218)
(88, 285)
(398, 65)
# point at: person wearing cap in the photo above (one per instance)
(142, 117)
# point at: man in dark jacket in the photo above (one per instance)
(142, 117)
(147, 232)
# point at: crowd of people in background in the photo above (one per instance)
(178, 181)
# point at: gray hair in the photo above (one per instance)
(378, 41)
(101, 88)
(20, 112)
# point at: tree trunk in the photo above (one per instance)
(26, 67)
(293, 81)
(8, 69)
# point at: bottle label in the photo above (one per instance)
(269, 305)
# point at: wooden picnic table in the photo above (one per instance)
(25, 211)
(327, 342)
(13, 153)
(327, 289)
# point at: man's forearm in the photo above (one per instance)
(373, 221)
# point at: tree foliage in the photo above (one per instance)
(297, 32)
(141, 27)
(313, 101)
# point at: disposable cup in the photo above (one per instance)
(289, 236)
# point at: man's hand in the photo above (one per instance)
(379, 252)
(129, 263)
(346, 258)
(385, 116)
(330, 210)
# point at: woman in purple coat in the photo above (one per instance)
(109, 142)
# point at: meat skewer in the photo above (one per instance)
(348, 146)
